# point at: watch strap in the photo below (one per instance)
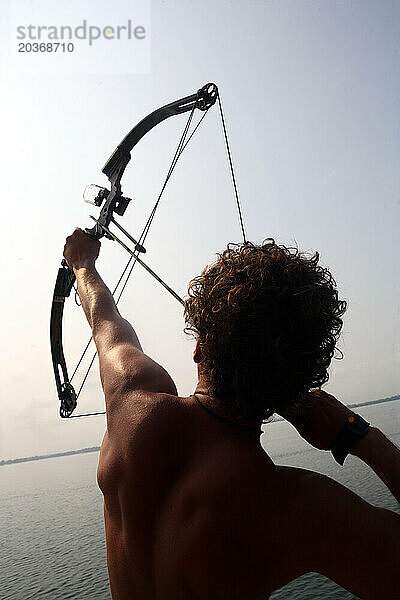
(353, 430)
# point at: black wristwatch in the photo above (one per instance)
(354, 429)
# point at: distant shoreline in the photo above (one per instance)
(13, 461)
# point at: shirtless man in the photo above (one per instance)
(194, 509)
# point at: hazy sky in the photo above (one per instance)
(311, 96)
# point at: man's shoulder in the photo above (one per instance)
(144, 433)
(146, 422)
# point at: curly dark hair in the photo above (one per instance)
(268, 318)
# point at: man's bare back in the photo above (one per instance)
(195, 509)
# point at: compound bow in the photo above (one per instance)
(116, 203)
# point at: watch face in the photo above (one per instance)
(357, 425)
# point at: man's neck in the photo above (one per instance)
(212, 404)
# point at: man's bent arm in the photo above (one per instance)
(348, 540)
(342, 536)
(320, 421)
(377, 451)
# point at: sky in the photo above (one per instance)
(311, 97)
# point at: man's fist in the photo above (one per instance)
(318, 418)
(80, 250)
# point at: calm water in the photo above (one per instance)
(51, 522)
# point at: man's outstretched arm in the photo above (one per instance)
(123, 365)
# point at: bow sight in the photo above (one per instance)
(94, 194)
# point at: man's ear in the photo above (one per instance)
(197, 352)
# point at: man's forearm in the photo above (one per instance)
(377, 451)
(96, 299)
(101, 311)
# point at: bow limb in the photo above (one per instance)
(66, 393)
(204, 98)
(119, 159)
